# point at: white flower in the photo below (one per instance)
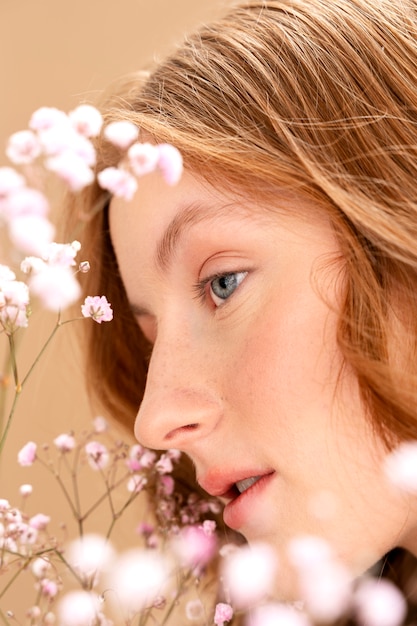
(31, 233)
(380, 603)
(98, 308)
(25, 201)
(78, 608)
(137, 578)
(55, 286)
(121, 134)
(86, 119)
(90, 555)
(118, 181)
(23, 147)
(170, 163)
(401, 466)
(249, 574)
(64, 442)
(143, 158)
(97, 455)
(46, 117)
(10, 180)
(277, 614)
(72, 169)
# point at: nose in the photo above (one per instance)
(180, 406)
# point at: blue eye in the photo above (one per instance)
(223, 286)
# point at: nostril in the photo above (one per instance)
(181, 429)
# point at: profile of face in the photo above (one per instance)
(240, 302)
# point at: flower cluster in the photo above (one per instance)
(82, 581)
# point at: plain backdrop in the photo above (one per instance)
(60, 53)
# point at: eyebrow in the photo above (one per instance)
(187, 217)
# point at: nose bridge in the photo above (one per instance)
(181, 403)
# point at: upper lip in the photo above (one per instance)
(222, 483)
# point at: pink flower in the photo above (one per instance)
(223, 613)
(164, 465)
(64, 442)
(97, 455)
(39, 521)
(194, 547)
(136, 483)
(143, 158)
(23, 147)
(209, 527)
(46, 117)
(55, 286)
(87, 120)
(10, 180)
(170, 163)
(121, 134)
(49, 588)
(167, 485)
(98, 308)
(100, 424)
(118, 181)
(27, 455)
(72, 169)
(25, 201)
(62, 253)
(31, 233)
(147, 458)
(194, 610)
(84, 267)
(380, 603)
(32, 264)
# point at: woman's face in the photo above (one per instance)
(245, 376)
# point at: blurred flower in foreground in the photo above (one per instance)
(137, 578)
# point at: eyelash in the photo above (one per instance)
(200, 288)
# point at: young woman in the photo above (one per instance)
(265, 307)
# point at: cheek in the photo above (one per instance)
(289, 355)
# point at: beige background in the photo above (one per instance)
(58, 53)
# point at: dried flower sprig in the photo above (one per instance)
(177, 549)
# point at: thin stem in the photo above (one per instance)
(9, 419)
(64, 490)
(3, 388)
(180, 590)
(4, 618)
(42, 350)
(13, 578)
(12, 346)
(68, 566)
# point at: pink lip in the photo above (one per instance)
(240, 506)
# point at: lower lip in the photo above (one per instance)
(242, 508)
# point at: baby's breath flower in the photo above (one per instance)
(118, 181)
(86, 120)
(223, 613)
(194, 610)
(39, 521)
(97, 455)
(25, 490)
(23, 147)
(64, 442)
(27, 455)
(121, 134)
(98, 308)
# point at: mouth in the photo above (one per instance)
(244, 493)
(230, 486)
